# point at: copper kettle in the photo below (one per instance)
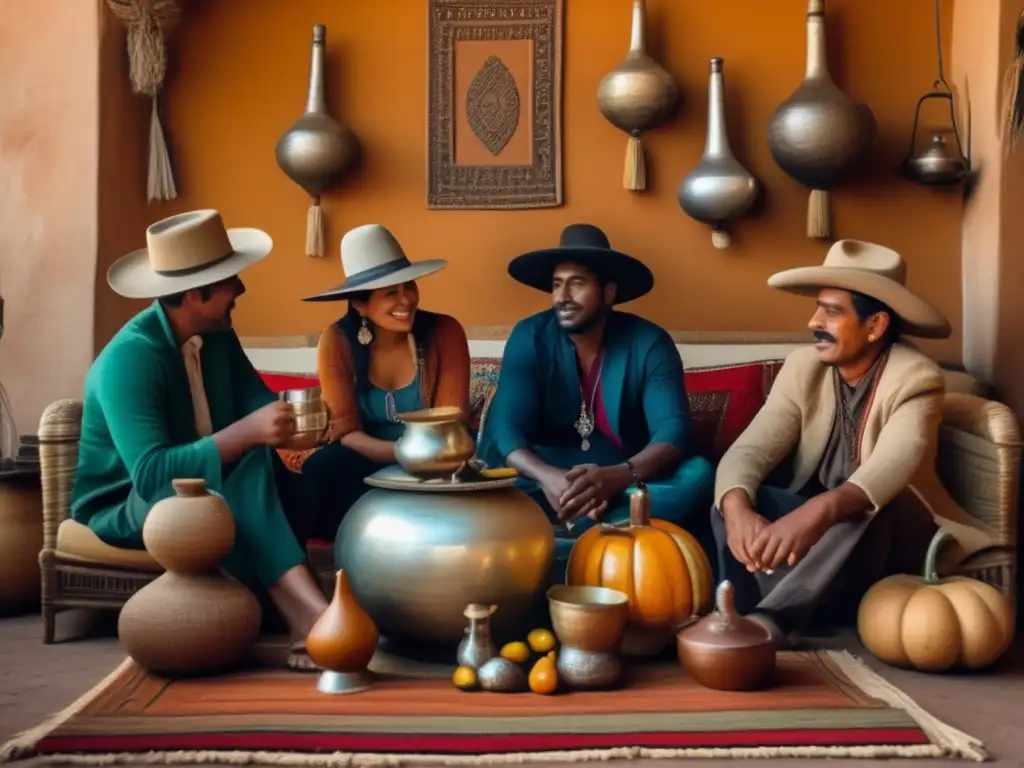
(726, 651)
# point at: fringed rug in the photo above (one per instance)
(825, 704)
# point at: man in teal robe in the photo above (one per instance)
(173, 396)
(591, 401)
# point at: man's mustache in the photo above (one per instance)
(569, 306)
(824, 336)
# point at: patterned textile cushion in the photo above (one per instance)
(724, 400)
(483, 381)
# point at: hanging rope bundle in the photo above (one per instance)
(149, 22)
(1013, 93)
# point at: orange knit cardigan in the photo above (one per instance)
(445, 380)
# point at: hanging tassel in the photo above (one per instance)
(160, 182)
(634, 178)
(819, 217)
(315, 230)
(1013, 94)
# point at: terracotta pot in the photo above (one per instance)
(191, 532)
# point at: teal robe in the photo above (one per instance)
(537, 403)
(139, 434)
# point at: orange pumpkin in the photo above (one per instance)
(659, 566)
(932, 624)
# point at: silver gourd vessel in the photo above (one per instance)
(719, 189)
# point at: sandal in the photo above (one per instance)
(299, 661)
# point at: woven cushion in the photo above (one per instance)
(77, 542)
(723, 402)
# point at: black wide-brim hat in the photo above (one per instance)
(588, 246)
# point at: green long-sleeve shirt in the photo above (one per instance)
(138, 424)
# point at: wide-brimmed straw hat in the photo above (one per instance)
(371, 258)
(875, 271)
(187, 251)
(587, 245)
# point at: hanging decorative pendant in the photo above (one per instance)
(938, 165)
(819, 134)
(149, 24)
(636, 96)
(719, 189)
(317, 150)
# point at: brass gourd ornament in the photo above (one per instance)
(636, 96)
(819, 134)
(317, 150)
(719, 189)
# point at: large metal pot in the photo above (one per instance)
(417, 558)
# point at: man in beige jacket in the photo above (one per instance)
(833, 484)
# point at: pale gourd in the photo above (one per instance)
(659, 566)
(935, 624)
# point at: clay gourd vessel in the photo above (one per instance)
(343, 641)
(726, 651)
(192, 619)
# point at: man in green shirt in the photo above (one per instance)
(173, 395)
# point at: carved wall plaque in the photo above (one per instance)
(494, 101)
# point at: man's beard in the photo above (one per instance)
(581, 325)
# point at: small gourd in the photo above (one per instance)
(662, 567)
(932, 624)
(544, 675)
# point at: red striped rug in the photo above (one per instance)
(825, 704)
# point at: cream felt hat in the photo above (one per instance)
(875, 271)
(371, 258)
(187, 251)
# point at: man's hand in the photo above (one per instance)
(272, 425)
(554, 485)
(789, 538)
(590, 490)
(742, 527)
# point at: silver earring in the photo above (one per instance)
(365, 335)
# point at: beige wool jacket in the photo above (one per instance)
(898, 442)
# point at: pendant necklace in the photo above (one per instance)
(585, 423)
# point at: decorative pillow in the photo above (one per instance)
(279, 382)
(483, 380)
(723, 402)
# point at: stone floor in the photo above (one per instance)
(37, 680)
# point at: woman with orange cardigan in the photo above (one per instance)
(384, 357)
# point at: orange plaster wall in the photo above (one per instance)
(239, 79)
(48, 213)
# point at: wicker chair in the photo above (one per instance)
(979, 461)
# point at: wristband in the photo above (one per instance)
(633, 474)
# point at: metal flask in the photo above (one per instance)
(819, 134)
(317, 150)
(719, 189)
(636, 96)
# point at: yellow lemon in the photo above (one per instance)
(464, 678)
(541, 640)
(517, 651)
